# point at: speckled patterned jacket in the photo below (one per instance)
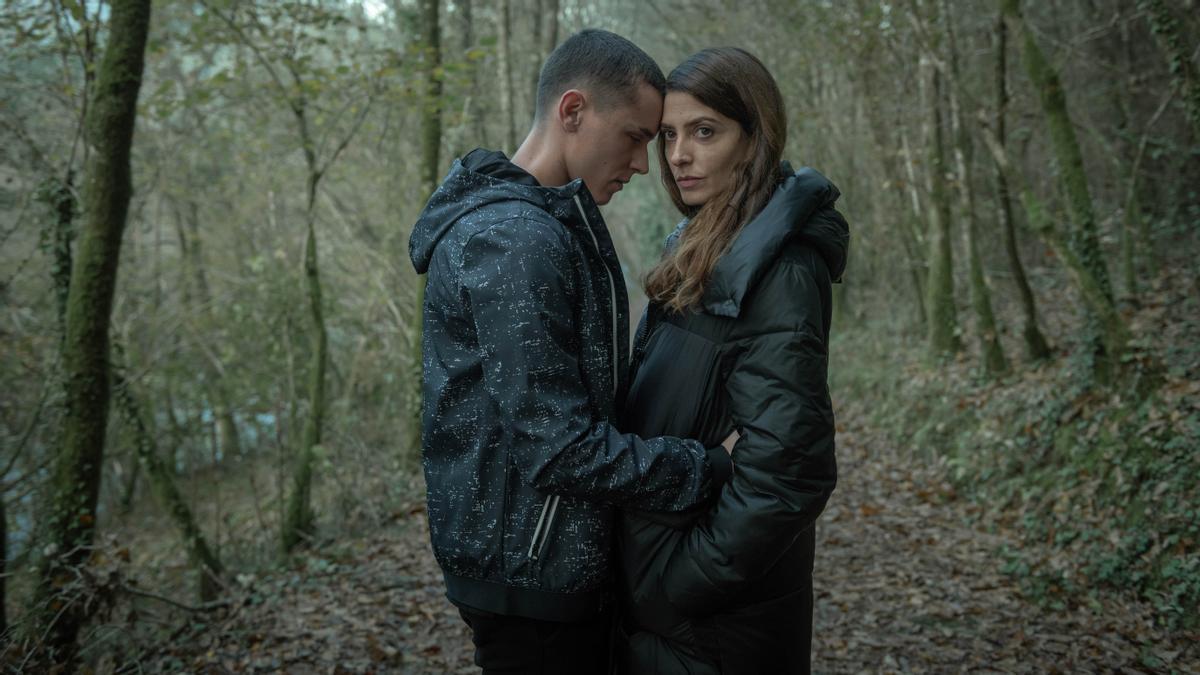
(525, 357)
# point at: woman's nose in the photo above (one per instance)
(680, 154)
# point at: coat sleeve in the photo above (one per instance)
(519, 287)
(784, 466)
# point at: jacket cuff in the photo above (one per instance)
(722, 466)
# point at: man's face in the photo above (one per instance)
(609, 145)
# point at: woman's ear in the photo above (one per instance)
(570, 110)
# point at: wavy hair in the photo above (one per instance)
(736, 84)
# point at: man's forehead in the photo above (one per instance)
(645, 110)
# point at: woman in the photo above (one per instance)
(734, 340)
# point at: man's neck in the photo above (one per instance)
(543, 160)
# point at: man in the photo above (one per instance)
(525, 355)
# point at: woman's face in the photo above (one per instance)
(701, 145)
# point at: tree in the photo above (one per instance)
(431, 140)
(994, 362)
(504, 53)
(1036, 347)
(289, 62)
(76, 481)
(943, 323)
(1083, 240)
(1179, 60)
(163, 484)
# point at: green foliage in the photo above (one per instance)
(1100, 486)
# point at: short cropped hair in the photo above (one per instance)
(610, 67)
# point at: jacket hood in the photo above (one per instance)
(800, 209)
(480, 178)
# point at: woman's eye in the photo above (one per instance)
(704, 132)
(668, 135)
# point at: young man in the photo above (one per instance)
(525, 355)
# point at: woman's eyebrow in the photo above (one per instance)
(703, 119)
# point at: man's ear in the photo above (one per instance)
(570, 110)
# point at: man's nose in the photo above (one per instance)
(641, 160)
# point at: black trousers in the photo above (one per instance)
(513, 644)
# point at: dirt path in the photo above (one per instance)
(904, 584)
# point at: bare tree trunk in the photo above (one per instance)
(431, 134)
(299, 517)
(3, 567)
(471, 105)
(75, 485)
(994, 363)
(431, 111)
(545, 37)
(506, 89)
(1036, 346)
(943, 323)
(919, 254)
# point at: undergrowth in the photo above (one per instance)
(1100, 484)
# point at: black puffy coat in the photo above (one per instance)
(525, 358)
(728, 588)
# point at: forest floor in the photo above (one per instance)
(907, 580)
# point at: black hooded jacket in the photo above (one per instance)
(728, 588)
(524, 347)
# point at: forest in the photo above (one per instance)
(211, 368)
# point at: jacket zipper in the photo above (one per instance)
(550, 507)
(612, 289)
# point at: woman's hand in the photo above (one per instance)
(728, 443)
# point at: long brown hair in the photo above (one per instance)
(736, 84)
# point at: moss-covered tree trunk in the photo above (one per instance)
(75, 484)
(1083, 238)
(60, 196)
(1098, 303)
(298, 523)
(994, 362)
(943, 320)
(163, 485)
(1036, 347)
(1179, 58)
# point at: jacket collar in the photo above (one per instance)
(785, 217)
(484, 177)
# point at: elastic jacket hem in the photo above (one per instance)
(526, 602)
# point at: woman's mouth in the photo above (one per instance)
(687, 182)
